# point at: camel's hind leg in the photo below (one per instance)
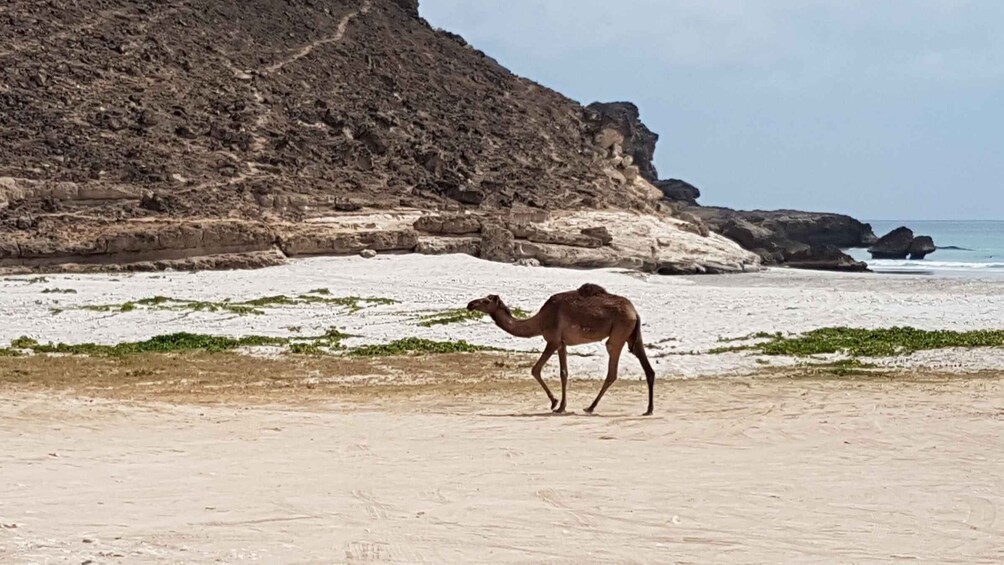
(637, 346)
(539, 366)
(563, 359)
(614, 348)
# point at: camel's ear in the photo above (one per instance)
(494, 298)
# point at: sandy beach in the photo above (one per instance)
(270, 458)
(728, 471)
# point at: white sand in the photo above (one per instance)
(681, 314)
(758, 471)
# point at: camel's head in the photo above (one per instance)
(489, 304)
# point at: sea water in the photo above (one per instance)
(980, 246)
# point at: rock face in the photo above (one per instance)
(637, 141)
(592, 239)
(786, 237)
(901, 243)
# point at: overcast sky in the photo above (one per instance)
(890, 109)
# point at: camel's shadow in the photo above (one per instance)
(567, 415)
(532, 415)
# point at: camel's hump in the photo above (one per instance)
(590, 289)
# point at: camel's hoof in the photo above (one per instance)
(588, 410)
(554, 404)
(559, 410)
(649, 413)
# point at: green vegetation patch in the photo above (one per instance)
(184, 341)
(458, 315)
(32, 280)
(255, 306)
(858, 342)
(175, 342)
(414, 345)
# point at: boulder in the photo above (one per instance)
(497, 244)
(893, 245)
(676, 190)
(367, 253)
(823, 258)
(921, 247)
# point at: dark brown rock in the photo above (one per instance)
(893, 245)
(748, 235)
(812, 228)
(676, 190)
(921, 247)
(824, 258)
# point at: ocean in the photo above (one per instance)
(980, 246)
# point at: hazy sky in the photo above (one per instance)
(885, 109)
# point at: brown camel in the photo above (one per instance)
(586, 315)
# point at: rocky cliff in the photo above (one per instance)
(225, 132)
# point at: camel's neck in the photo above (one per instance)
(520, 328)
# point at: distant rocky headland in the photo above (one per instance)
(213, 134)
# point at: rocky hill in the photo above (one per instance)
(236, 133)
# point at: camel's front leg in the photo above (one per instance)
(563, 359)
(548, 352)
(614, 350)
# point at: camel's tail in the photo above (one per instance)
(637, 346)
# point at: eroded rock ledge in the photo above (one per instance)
(654, 243)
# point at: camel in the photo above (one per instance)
(577, 317)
